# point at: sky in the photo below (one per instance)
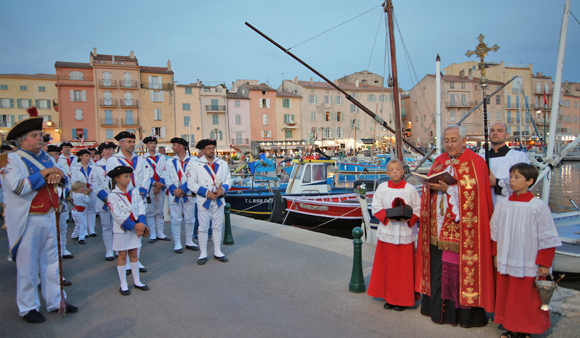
(207, 40)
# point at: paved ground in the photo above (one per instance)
(280, 282)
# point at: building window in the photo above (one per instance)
(78, 114)
(338, 116)
(311, 98)
(3, 87)
(188, 90)
(43, 104)
(451, 85)
(109, 134)
(576, 119)
(41, 88)
(339, 132)
(159, 132)
(186, 121)
(339, 99)
(382, 98)
(575, 104)
(215, 119)
(285, 103)
(497, 99)
(452, 99)
(313, 116)
(23, 103)
(265, 119)
(206, 89)
(326, 132)
(371, 97)
(264, 103)
(76, 75)
(238, 137)
(498, 115)
(463, 113)
(186, 106)
(23, 88)
(156, 96)
(452, 116)
(463, 85)
(288, 118)
(328, 116)
(327, 99)
(78, 95)
(237, 103)
(509, 116)
(238, 119)
(288, 133)
(157, 114)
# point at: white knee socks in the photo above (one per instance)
(202, 236)
(217, 242)
(123, 277)
(135, 273)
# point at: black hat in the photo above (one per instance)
(46, 138)
(204, 143)
(124, 134)
(149, 139)
(65, 144)
(179, 140)
(119, 170)
(83, 152)
(92, 149)
(6, 147)
(34, 122)
(52, 147)
(106, 145)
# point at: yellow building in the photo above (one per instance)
(188, 112)
(157, 103)
(21, 91)
(288, 118)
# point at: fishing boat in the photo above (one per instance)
(377, 165)
(567, 258)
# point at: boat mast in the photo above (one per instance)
(398, 131)
(556, 99)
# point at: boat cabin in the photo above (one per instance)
(308, 177)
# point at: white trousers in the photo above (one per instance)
(213, 214)
(62, 227)
(155, 217)
(38, 251)
(92, 214)
(81, 221)
(107, 227)
(179, 212)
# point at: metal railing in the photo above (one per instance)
(130, 122)
(158, 86)
(108, 102)
(541, 91)
(128, 84)
(540, 107)
(108, 83)
(211, 107)
(129, 103)
(240, 141)
(109, 121)
(66, 80)
(459, 104)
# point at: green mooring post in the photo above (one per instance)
(357, 280)
(228, 238)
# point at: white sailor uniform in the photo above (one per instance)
(101, 207)
(80, 214)
(31, 228)
(181, 208)
(66, 163)
(155, 217)
(127, 210)
(64, 213)
(91, 179)
(201, 178)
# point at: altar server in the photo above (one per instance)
(155, 216)
(83, 171)
(209, 178)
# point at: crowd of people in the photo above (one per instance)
(42, 182)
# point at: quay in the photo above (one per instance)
(280, 281)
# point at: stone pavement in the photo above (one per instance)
(280, 282)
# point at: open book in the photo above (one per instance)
(444, 176)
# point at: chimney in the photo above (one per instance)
(356, 83)
(311, 81)
(132, 55)
(295, 80)
(168, 65)
(94, 50)
(113, 59)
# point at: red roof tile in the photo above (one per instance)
(287, 94)
(344, 86)
(58, 64)
(163, 70)
(31, 76)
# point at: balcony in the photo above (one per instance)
(460, 104)
(540, 121)
(55, 105)
(109, 121)
(108, 102)
(561, 130)
(129, 122)
(107, 83)
(215, 108)
(240, 141)
(158, 86)
(541, 91)
(129, 103)
(540, 107)
(65, 80)
(128, 84)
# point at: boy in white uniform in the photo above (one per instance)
(157, 163)
(83, 171)
(79, 212)
(106, 149)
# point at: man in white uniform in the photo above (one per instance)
(501, 159)
(66, 160)
(31, 180)
(209, 178)
(107, 150)
(54, 152)
(141, 176)
(181, 199)
(157, 163)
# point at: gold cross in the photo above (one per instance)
(470, 257)
(470, 295)
(470, 219)
(467, 182)
(453, 161)
(481, 51)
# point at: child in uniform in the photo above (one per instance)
(79, 212)
(524, 243)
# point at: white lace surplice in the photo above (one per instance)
(521, 229)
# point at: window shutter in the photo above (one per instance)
(11, 103)
(149, 78)
(316, 99)
(18, 104)
(29, 103)
(36, 101)
(292, 118)
(151, 97)
(261, 104)
(74, 133)
(48, 104)
(85, 134)
(267, 103)
(72, 95)
(161, 94)
(84, 95)
(160, 84)
(162, 132)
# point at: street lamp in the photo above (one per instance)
(47, 124)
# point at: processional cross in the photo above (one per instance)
(481, 51)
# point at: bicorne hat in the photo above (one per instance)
(124, 134)
(34, 122)
(179, 140)
(204, 143)
(119, 170)
(149, 139)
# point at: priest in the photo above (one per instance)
(454, 258)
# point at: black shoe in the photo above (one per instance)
(127, 272)
(34, 316)
(399, 308)
(66, 282)
(192, 247)
(69, 256)
(179, 251)
(142, 288)
(74, 238)
(388, 306)
(202, 261)
(164, 239)
(109, 259)
(82, 241)
(142, 270)
(125, 293)
(69, 309)
(152, 240)
(93, 235)
(222, 259)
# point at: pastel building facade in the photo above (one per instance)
(188, 113)
(239, 119)
(288, 117)
(214, 123)
(158, 106)
(262, 110)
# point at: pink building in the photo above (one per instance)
(239, 120)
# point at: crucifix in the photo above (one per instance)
(481, 51)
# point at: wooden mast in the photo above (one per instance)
(398, 129)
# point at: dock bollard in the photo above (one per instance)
(228, 238)
(357, 280)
